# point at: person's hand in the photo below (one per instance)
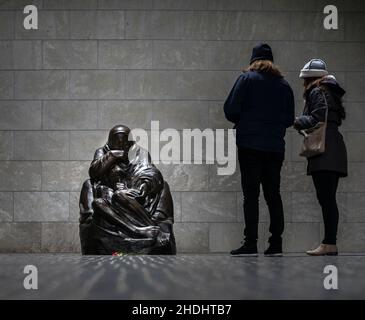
(296, 124)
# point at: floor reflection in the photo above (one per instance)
(63, 276)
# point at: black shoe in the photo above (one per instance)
(274, 251)
(245, 251)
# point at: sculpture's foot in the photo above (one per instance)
(163, 239)
(150, 231)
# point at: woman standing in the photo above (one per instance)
(261, 106)
(322, 91)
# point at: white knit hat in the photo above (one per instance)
(315, 68)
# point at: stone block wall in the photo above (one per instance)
(95, 63)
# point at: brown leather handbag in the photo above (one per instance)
(314, 142)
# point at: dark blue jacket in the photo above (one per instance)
(261, 106)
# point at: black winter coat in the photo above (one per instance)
(335, 156)
(261, 106)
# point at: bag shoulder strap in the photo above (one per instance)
(325, 101)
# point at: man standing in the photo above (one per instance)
(261, 106)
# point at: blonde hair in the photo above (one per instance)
(265, 66)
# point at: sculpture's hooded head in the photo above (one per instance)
(118, 138)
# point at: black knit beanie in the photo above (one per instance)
(261, 52)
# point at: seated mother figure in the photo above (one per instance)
(126, 205)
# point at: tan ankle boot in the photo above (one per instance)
(324, 250)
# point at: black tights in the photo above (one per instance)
(326, 183)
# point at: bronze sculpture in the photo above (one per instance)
(125, 206)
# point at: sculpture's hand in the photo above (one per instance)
(117, 154)
(133, 193)
(143, 190)
(121, 186)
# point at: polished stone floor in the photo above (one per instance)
(63, 276)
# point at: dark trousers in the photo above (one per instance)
(326, 183)
(261, 167)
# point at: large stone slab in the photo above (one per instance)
(41, 206)
(20, 175)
